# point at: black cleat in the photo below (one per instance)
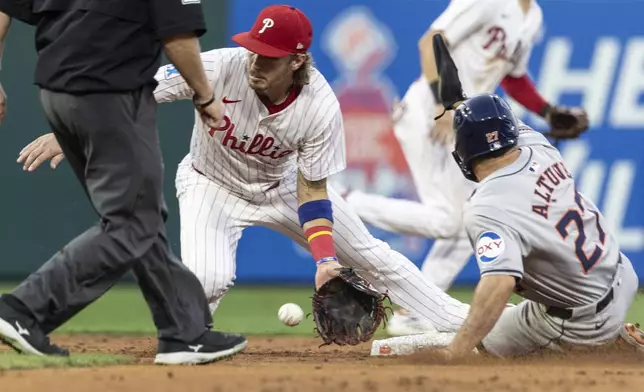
(24, 335)
(210, 347)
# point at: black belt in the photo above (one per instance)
(566, 314)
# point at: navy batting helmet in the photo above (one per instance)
(484, 124)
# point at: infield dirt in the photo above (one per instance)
(282, 364)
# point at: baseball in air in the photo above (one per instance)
(290, 314)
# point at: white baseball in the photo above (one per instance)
(290, 314)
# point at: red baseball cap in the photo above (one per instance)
(279, 31)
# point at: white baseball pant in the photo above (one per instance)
(441, 187)
(212, 221)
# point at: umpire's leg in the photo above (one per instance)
(114, 144)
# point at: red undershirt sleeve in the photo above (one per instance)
(523, 91)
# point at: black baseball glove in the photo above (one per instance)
(449, 84)
(565, 122)
(346, 310)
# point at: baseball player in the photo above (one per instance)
(533, 234)
(267, 163)
(491, 42)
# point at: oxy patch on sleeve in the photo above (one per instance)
(489, 247)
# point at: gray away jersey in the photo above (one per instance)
(527, 220)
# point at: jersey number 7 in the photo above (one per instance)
(576, 217)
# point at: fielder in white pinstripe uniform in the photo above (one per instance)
(281, 137)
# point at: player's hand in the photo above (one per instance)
(325, 272)
(213, 114)
(40, 150)
(3, 104)
(442, 131)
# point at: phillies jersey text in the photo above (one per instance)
(252, 149)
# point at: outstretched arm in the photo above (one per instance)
(490, 299)
(523, 90)
(565, 123)
(321, 155)
(316, 218)
(518, 85)
(500, 261)
(178, 27)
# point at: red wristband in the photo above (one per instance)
(320, 239)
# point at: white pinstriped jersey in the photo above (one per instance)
(489, 39)
(252, 150)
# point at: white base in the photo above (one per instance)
(406, 345)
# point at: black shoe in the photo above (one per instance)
(24, 335)
(210, 347)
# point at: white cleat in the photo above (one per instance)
(406, 345)
(402, 323)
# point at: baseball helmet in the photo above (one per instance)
(483, 125)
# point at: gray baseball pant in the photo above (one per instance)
(112, 144)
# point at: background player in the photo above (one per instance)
(534, 235)
(267, 164)
(491, 42)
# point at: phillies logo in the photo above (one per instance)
(259, 145)
(496, 34)
(268, 23)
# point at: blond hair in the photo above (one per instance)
(302, 75)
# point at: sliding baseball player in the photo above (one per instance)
(534, 235)
(491, 42)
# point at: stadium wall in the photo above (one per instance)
(366, 49)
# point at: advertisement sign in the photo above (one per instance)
(368, 50)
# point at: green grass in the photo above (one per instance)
(14, 361)
(248, 310)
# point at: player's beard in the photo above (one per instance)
(263, 86)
